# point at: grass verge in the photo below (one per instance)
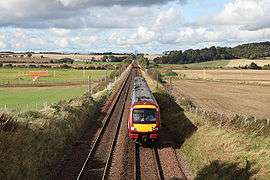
(32, 142)
(213, 151)
(220, 153)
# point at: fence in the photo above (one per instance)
(93, 86)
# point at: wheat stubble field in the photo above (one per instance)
(227, 98)
(261, 77)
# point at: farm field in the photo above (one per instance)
(234, 63)
(240, 76)
(20, 75)
(244, 62)
(226, 97)
(20, 99)
(208, 64)
(72, 56)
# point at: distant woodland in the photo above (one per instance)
(248, 51)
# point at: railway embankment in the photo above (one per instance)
(33, 142)
(218, 146)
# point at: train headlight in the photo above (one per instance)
(133, 128)
(155, 129)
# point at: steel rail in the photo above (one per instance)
(103, 128)
(105, 173)
(157, 163)
(137, 168)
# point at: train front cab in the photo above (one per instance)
(144, 122)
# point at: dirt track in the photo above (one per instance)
(227, 97)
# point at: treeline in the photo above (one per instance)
(250, 51)
(112, 58)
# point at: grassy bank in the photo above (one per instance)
(216, 153)
(213, 151)
(33, 142)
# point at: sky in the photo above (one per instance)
(148, 26)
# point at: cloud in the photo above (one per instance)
(70, 14)
(2, 42)
(249, 14)
(106, 3)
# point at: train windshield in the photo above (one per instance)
(144, 116)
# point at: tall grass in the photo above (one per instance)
(32, 142)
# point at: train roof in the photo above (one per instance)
(141, 91)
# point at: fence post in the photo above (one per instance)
(89, 85)
(157, 80)
(171, 88)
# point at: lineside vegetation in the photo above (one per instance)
(33, 142)
(215, 147)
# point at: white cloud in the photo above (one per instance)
(74, 13)
(59, 32)
(2, 42)
(249, 14)
(61, 42)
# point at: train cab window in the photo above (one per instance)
(144, 116)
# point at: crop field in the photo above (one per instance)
(14, 96)
(235, 63)
(208, 64)
(226, 97)
(20, 99)
(244, 62)
(239, 76)
(20, 75)
(72, 56)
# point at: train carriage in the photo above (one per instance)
(144, 113)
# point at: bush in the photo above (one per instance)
(170, 73)
(254, 66)
(65, 60)
(64, 66)
(266, 67)
(31, 114)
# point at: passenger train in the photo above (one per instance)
(144, 113)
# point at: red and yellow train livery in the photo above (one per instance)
(144, 113)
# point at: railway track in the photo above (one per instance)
(148, 165)
(101, 159)
(98, 161)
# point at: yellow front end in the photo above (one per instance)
(144, 128)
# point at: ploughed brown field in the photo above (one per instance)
(241, 76)
(225, 97)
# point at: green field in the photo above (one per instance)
(97, 63)
(20, 75)
(20, 99)
(208, 64)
